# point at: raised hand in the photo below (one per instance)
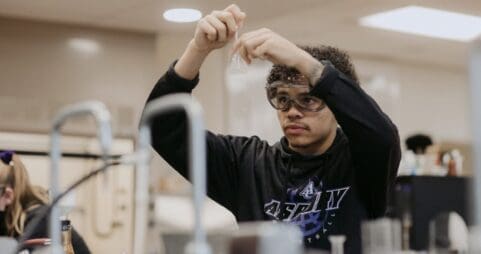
(268, 45)
(218, 28)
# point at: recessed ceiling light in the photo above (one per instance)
(84, 45)
(427, 22)
(182, 15)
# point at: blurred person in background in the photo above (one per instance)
(324, 178)
(21, 202)
(418, 143)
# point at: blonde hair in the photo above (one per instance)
(26, 196)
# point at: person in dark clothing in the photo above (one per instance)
(324, 178)
(418, 143)
(21, 203)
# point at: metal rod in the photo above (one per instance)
(102, 117)
(197, 167)
(475, 80)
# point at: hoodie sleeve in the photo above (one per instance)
(170, 140)
(373, 138)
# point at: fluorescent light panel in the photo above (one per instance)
(427, 22)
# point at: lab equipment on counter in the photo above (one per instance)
(250, 238)
(67, 237)
(267, 238)
(381, 236)
(337, 244)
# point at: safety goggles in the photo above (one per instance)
(283, 95)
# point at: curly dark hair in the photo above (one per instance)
(339, 58)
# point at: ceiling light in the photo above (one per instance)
(427, 22)
(84, 45)
(182, 15)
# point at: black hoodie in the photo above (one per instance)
(324, 194)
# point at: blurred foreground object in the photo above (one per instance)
(266, 238)
(381, 236)
(448, 234)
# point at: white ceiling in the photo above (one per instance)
(305, 21)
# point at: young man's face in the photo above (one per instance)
(308, 131)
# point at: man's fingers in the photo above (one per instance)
(228, 19)
(239, 15)
(209, 31)
(254, 42)
(262, 52)
(248, 42)
(219, 27)
(233, 8)
(247, 36)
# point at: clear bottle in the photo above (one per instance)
(67, 237)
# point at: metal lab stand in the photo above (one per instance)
(102, 117)
(197, 167)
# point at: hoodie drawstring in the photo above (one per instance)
(286, 187)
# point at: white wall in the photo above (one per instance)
(40, 72)
(430, 99)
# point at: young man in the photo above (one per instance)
(321, 177)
